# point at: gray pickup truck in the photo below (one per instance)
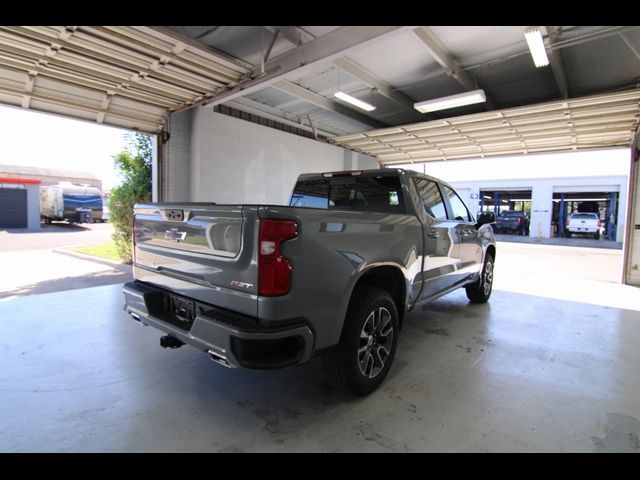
(333, 273)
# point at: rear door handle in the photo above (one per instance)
(433, 234)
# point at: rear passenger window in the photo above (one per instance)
(311, 194)
(460, 211)
(431, 198)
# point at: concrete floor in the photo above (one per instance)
(567, 242)
(522, 373)
(59, 268)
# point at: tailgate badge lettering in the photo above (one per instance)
(236, 283)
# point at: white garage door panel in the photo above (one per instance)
(124, 76)
(596, 121)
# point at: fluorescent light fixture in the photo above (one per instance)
(466, 98)
(536, 46)
(354, 101)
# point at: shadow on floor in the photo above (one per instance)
(56, 227)
(121, 275)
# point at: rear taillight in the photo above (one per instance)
(519, 220)
(566, 223)
(274, 270)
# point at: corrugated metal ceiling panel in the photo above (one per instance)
(400, 60)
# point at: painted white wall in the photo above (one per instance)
(542, 190)
(175, 183)
(229, 160)
(633, 243)
(33, 206)
(154, 168)
(545, 173)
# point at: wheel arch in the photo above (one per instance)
(389, 278)
(492, 250)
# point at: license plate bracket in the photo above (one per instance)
(182, 309)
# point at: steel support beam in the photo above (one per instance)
(295, 35)
(611, 216)
(325, 103)
(447, 61)
(349, 66)
(635, 51)
(562, 216)
(298, 36)
(555, 60)
(308, 57)
(201, 46)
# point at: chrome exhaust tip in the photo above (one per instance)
(216, 357)
(137, 318)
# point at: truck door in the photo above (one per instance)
(469, 251)
(440, 252)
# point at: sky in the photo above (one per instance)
(35, 139)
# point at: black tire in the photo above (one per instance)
(567, 234)
(355, 363)
(480, 291)
(596, 236)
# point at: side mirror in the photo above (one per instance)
(486, 218)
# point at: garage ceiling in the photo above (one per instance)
(134, 77)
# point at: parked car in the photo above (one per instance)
(581, 223)
(512, 222)
(333, 273)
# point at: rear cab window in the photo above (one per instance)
(585, 216)
(365, 193)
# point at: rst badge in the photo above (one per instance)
(236, 283)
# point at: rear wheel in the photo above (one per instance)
(362, 359)
(480, 291)
(596, 235)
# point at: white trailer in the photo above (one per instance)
(71, 203)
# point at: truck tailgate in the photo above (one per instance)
(202, 251)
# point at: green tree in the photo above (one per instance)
(133, 164)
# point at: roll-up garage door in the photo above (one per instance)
(13, 208)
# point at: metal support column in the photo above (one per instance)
(611, 216)
(496, 203)
(562, 214)
(481, 201)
